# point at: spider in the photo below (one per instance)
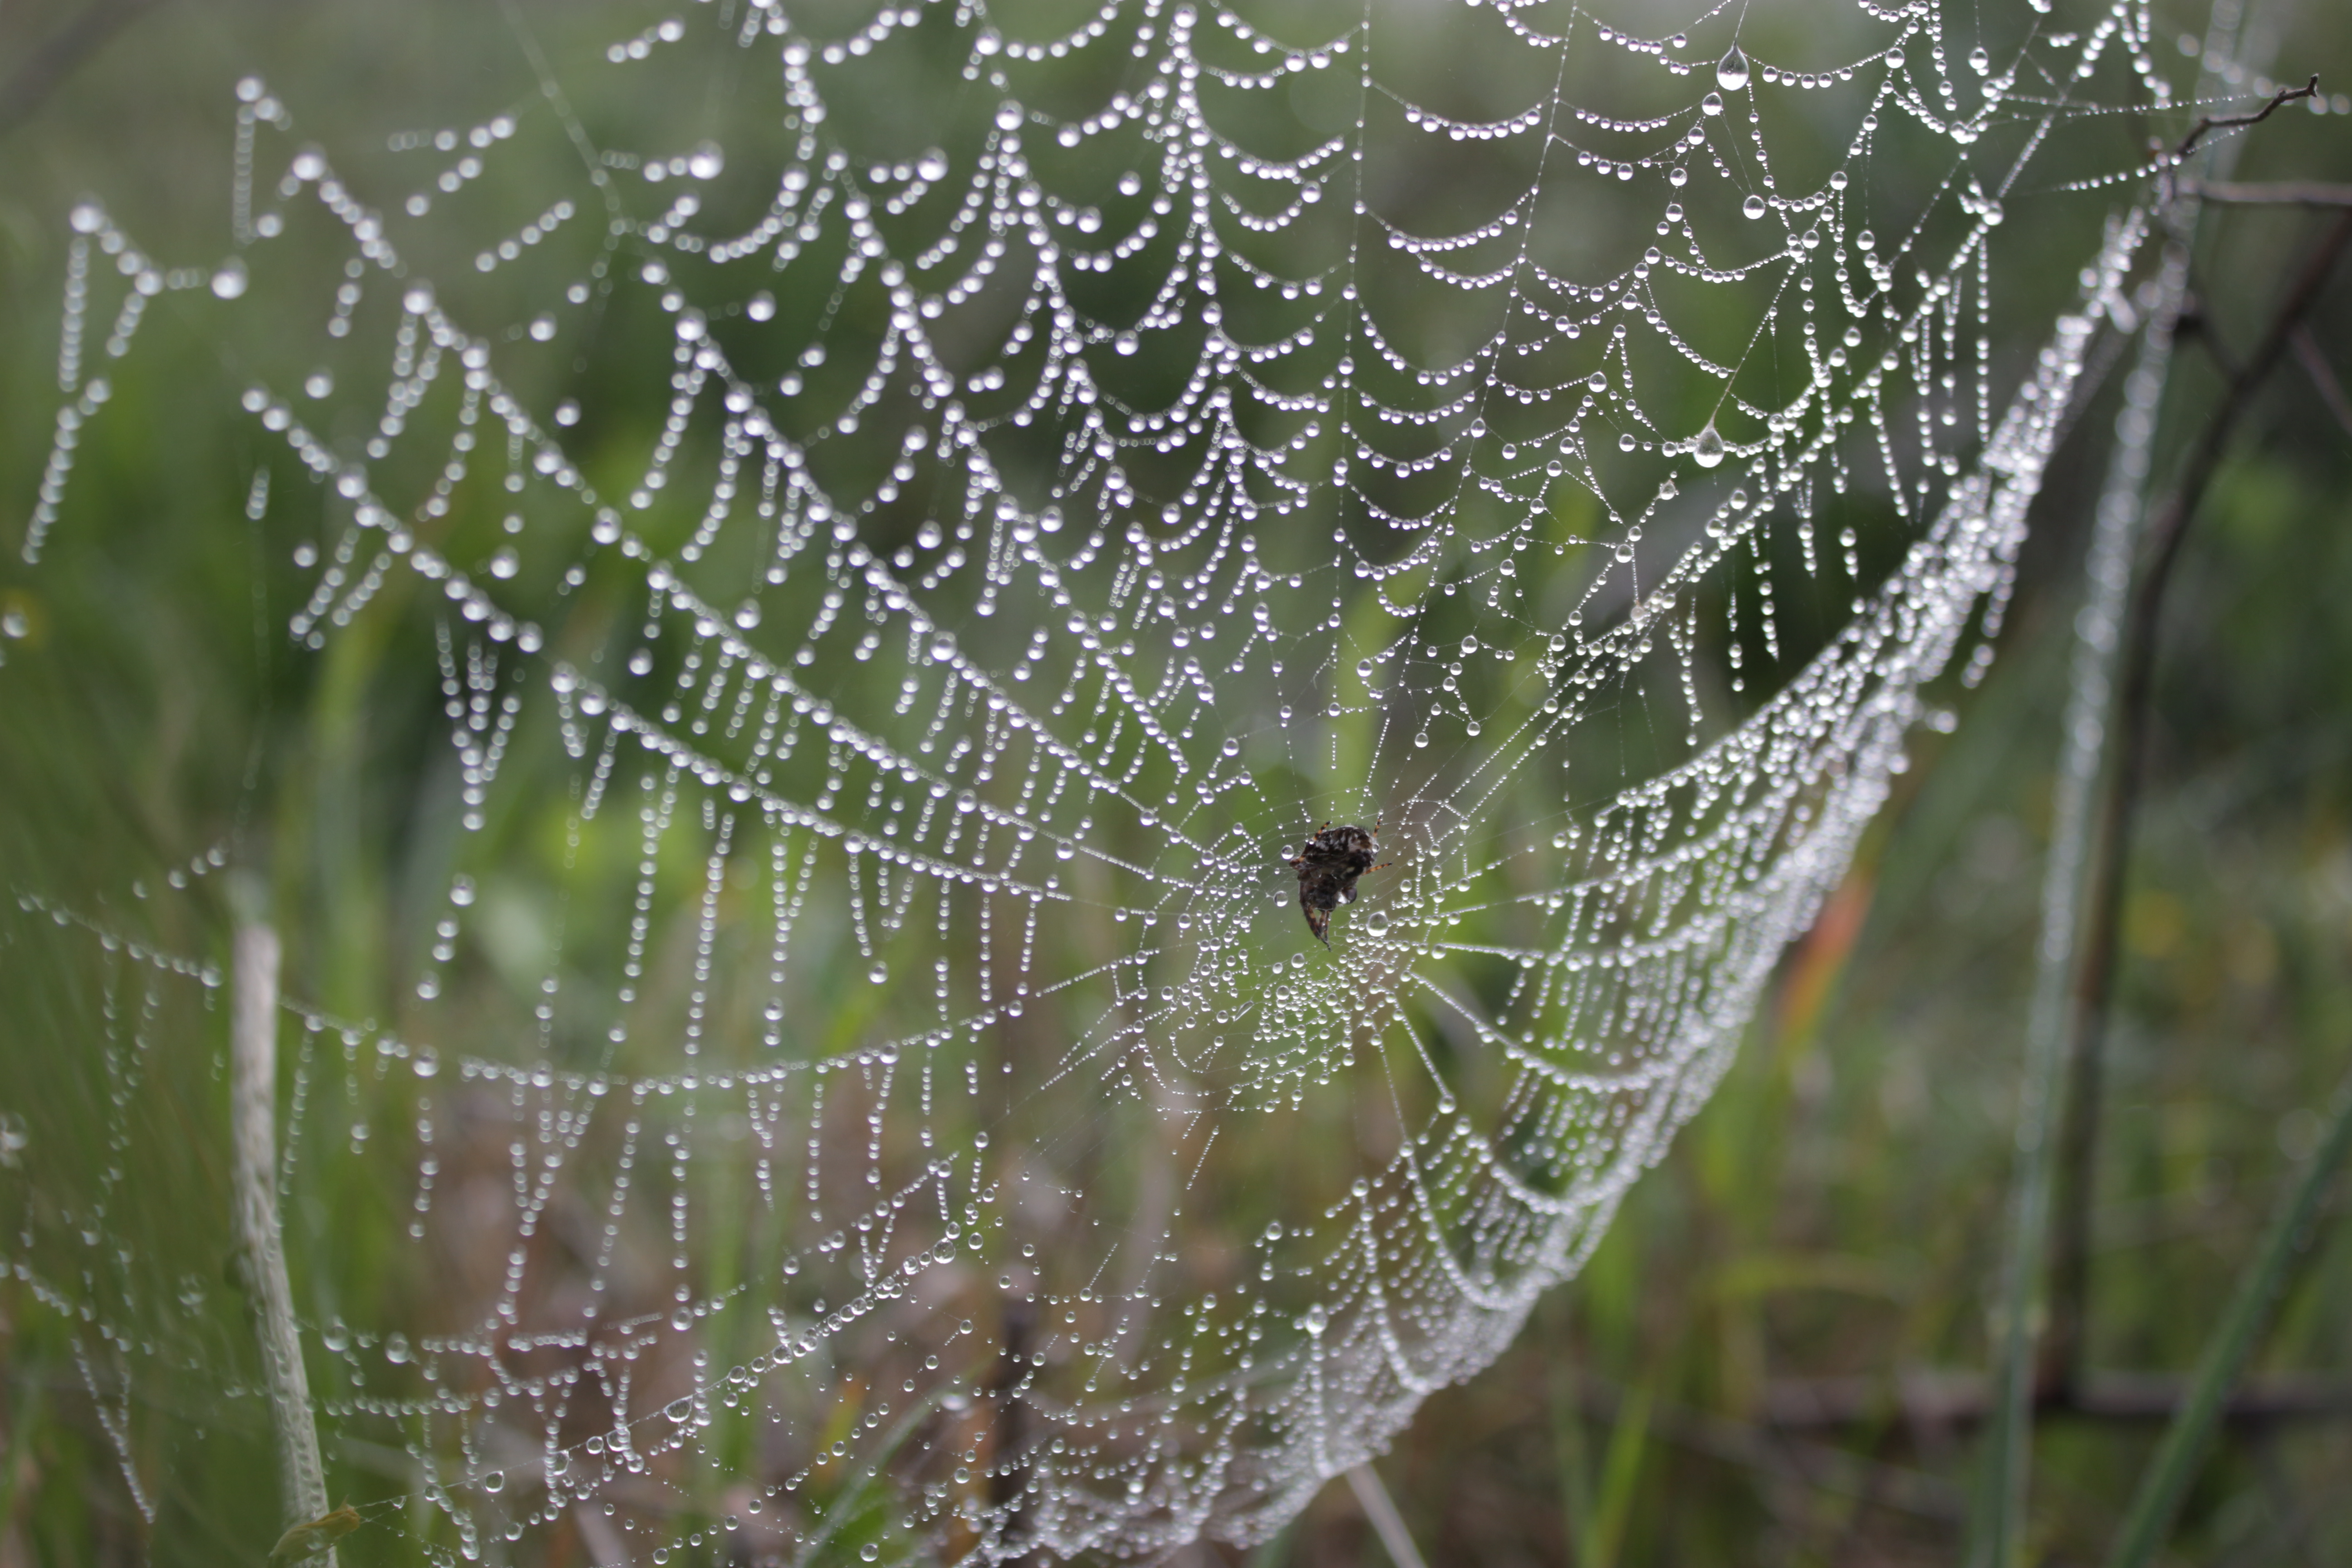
(1328, 868)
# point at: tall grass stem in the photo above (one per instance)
(1372, 1496)
(253, 1117)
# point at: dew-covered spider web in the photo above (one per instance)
(851, 547)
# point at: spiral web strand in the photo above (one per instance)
(912, 1114)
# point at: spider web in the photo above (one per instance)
(902, 559)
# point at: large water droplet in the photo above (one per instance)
(1752, 208)
(230, 280)
(1376, 922)
(1731, 71)
(878, 973)
(1707, 448)
(494, 1480)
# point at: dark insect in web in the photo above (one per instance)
(1328, 868)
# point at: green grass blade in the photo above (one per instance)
(1575, 1477)
(1620, 1468)
(2185, 1440)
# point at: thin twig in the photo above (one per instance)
(2196, 323)
(2095, 976)
(2170, 527)
(1963, 1399)
(1822, 1467)
(2168, 183)
(2268, 192)
(2314, 365)
(2279, 100)
(2058, 1356)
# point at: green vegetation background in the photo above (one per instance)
(1830, 1229)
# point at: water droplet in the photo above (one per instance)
(868, 1552)
(706, 161)
(761, 306)
(878, 973)
(461, 891)
(1376, 922)
(230, 280)
(1731, 71)
(417, 300)
(1980, 61)
(1707, 447)
(1752, 208)
(494, 1480)
(641, 662)
(747, 614)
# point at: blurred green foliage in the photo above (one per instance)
(1831, 1222)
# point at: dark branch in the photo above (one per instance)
(2314, 365)
(1939, 1399)
(2269, 194)
(1823, 1466)
(2059, 1377)
(2283, 97)
(2195, 326)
